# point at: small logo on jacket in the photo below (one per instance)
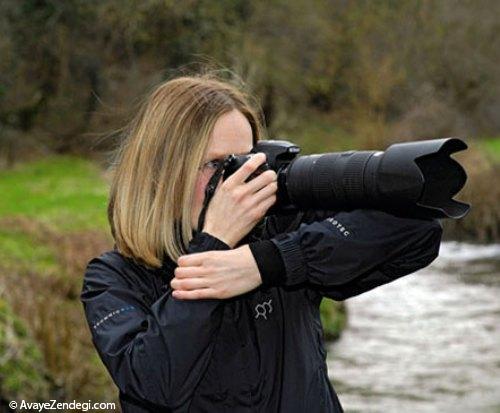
(263, 308)
(343, 230)
(112, 314)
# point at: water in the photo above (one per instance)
(428, 342)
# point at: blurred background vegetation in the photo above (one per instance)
(329, 74)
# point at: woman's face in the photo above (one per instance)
(232, 133)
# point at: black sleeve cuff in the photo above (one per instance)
(203, 241)
(269, 262)
(291, 253)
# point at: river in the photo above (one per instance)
(427, 342)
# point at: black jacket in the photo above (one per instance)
(258, 352)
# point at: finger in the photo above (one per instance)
(259, 182)
(189, 283)
(192, 260)
(195, 294)
(189, 272)
(246, 169)
(266, 204)
(265, 193)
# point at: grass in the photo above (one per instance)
(21, 363)
(21, 252)
(52, 219)
(66, 192)
(492, 147)
(334, 318)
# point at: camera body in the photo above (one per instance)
(279, 155)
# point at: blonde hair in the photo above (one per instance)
(156, 165)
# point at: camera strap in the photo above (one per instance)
(210, 190)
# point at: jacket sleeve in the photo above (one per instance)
(342, 254)
(155, 353)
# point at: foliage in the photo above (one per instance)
(482, 223)
(491, 146)
(333, 318)
(21, 364)
(379, 70)
(44, 340)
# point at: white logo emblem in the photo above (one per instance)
(263, 308)
(343, 230)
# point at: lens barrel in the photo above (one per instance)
(417, 177)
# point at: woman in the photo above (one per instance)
(202, 321)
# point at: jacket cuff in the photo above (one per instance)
(203, 241)
(269, 261)
(291, 253)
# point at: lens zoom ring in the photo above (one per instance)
(322, 185)
(353, 176)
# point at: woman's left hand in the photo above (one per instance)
(215, 274)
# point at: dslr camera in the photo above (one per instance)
(417, 179)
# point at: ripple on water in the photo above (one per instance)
(428, 342)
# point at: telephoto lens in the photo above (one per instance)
(412, 178)
(416, 176)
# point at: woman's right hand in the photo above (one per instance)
(237, 206)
